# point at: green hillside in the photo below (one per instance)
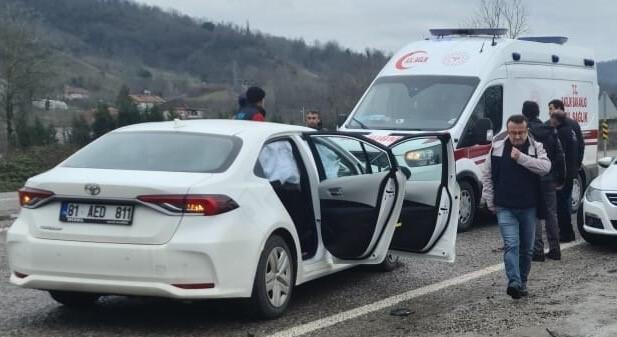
(102, 44)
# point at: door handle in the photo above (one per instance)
(336, 191)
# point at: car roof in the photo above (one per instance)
(240, 128)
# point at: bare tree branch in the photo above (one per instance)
(510, 14)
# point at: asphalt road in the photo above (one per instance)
(574, 297)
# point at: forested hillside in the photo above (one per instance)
(102, 44)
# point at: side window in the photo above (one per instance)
(490, 106)
(342, 156)
(277, 163)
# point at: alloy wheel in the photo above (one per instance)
(278, 276)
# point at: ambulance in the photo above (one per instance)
(467, 82)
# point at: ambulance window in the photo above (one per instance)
(489, 106)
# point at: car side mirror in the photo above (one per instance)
(406, 171)
(483, 131)
(605, 162)
(340, 119)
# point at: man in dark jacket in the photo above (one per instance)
(556, 107)
(313, 120)
(253, 110)
(510, 187)
(547, 209)
(574, 149)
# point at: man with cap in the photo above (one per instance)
(253, 110)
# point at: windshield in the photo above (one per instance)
(414, 103)
(159, 151)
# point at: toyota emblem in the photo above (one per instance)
(93, 189)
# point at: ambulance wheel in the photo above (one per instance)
(467, 211)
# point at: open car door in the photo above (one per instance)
(361, 193)
(429, 216)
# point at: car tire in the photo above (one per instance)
(468, 206)
(270, 299)
(74, 299)
(593, 239)
(390, 263)
(577, 193)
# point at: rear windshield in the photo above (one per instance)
(159, 151)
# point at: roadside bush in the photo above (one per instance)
(20, 164)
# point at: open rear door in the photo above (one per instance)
(429, 215)
(361, 192)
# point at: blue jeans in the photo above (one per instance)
(518, 228)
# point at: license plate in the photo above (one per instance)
(96, 213)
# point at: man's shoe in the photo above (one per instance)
(554, 255)
(538, 257)
(524, 292)
(514, 292)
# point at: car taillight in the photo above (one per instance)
(193, 203)
(31, 197)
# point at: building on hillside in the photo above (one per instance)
(146, 100)
(75, 93)
(185, 110)
(50, 104)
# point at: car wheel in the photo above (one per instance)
(577, 193)
(592, 239)
(467, 211)
(390, 263)
(74, 299)
(274, 281)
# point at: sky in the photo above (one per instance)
(389, 24)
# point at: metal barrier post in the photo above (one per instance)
(605, 135)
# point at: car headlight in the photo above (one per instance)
(593, 194)
(424, 157)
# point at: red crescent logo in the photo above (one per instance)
(409, 59)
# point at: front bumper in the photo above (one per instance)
(198, 255)
(600, 217)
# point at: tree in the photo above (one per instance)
(510, 14)
(128, 113)
(172, 114)
(24, 63)
(103, 121)
(154, 115)
(33, 135)
(80, 132)
(209, 26)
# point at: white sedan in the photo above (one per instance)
(227, 209)
(597, 221)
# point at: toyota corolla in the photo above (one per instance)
(228, 209)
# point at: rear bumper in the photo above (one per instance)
(201, 255)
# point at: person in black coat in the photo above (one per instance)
(547, 209)
(573, 144)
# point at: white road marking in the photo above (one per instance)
(394, 300)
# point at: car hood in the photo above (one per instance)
(607, 180)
